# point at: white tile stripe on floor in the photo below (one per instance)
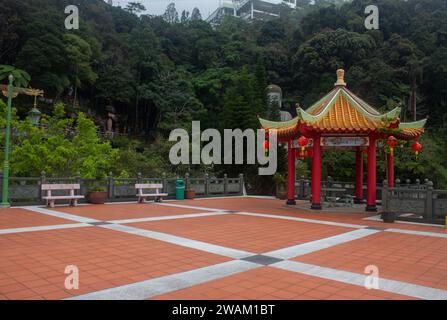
(393, 286)
(62, 215)
(180, 216)
(379, 218)
(317, 245)
(329, 223)
(188, 206)
(418, 233)
(158, 286)
(44, 228)
(185, 242)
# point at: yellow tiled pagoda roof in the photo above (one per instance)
(341, 111)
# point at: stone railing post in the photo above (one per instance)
(241, 184)
(225, 184)
(139, 177)
(385, 196)
(329, 182)
(419, 195)
(429, 202)
(78, 181)
(187, 187)
(43, 180)
(307, 189)
(164, 182)
(110, 186)
(397, 186)
(207, 181)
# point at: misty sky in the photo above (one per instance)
(159, 6)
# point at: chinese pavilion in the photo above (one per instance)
(342, 121)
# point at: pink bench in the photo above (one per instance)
(50, 199)
(157, 195)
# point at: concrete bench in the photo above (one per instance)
(157, 195)
(50, 199)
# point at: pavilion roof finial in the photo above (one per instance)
(340, 78)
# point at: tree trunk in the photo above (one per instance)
(413, 98)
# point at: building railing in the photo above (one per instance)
(415, 203)
(27, 190)
(303, 188)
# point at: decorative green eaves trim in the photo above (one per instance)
(266, 124)
(413, 125)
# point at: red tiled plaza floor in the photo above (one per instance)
(410, 258)
(253, 234)
(268, 283)
(125, 211)
(21, 218)
(32, 264)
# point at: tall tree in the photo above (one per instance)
(196, 15)
(185, 16)
(135, 7)
(171, 14)
(79, 55)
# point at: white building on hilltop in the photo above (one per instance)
(248, 9)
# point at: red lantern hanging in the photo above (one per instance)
(266, 147)
(302, 142)
(392, 143)
(417, 148)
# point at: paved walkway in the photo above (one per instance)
(223, 248)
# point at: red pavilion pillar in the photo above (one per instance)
(358, 176)
(316, 174)
(290, 175)
(371, 192)
(390, 171)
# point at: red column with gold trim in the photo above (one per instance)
(371, 192)
(359, 176)
(291, 175)
(316, 174)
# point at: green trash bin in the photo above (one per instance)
(179, 189)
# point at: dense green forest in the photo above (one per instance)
(161, 72)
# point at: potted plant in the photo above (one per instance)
(97, 194)
(189, 193)
(280, 185)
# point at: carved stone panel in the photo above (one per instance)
(407, 206)
(440, 207)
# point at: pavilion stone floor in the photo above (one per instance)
(220, 248)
